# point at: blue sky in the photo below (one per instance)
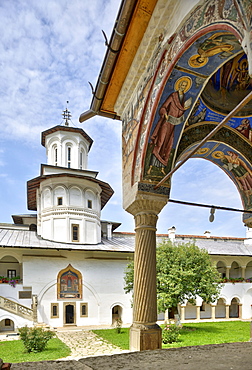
(49, 50)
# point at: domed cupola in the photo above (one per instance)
(67, 146)
(67, 197)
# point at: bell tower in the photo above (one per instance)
(67, 196)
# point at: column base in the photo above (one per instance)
(145, 337)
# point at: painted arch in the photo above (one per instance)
(200, 77)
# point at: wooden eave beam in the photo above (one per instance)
(129, 28)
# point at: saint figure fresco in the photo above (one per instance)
(171, 114)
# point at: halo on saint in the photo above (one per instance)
(186, 79)
(217, 154)
(202, 151)
(197, 61)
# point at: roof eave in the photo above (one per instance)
(113, 49)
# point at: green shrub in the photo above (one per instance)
(35, 339)
(170, 333)
(118, 326)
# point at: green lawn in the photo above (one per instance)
(14, 351)
(191, 335)
(120, 340)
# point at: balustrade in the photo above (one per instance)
(16, 308)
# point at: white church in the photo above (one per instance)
(61, 267)
(64, 266)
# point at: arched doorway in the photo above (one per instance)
(116, 314)
(69, 314)
(234, 308)
(6, 325)
(220, 310)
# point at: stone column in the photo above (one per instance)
(213, 312)
(35, 308)
(227, 271)
(198, 313)
(145, 334)
(240, 310)
(243, 269)
(227, 311)
(182, 313)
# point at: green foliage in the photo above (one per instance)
(129, 277)
(118, 326)
(35, 339)
(184, 271)
(170, 333)
(13, 351)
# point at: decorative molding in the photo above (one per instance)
(149, 188)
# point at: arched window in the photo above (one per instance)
(81, 159)
(69, 283)
(235, 270)
(55, 156)
(221, 268)
(33, 227)
(68, 156)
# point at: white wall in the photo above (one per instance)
(102, 287)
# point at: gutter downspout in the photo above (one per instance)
(113, 48)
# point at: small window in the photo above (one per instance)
(60, 201)
(56, 156)
(7, 322)
(83, 309)
(89, 204)
(81, 160)
(11, 273)
(25, 294)
(75, 233)
(68, 157)
(54, 310)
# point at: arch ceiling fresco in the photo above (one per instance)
(188, 89)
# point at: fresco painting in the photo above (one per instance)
(69, 284)
(209, 50)
(179, 96)
(232, 162)
(171, 114)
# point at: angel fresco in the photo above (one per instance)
(242, 173)
(222, 43)
(171, 114)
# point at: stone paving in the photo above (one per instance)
(85, 343)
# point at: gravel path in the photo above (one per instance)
(84, 343)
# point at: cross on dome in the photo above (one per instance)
(66, 115)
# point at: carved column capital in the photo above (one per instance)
(248, 222)
(147, 204)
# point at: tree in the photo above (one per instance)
(184, 271)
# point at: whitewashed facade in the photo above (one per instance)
(61, 270)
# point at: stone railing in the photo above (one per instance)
(16, 308)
